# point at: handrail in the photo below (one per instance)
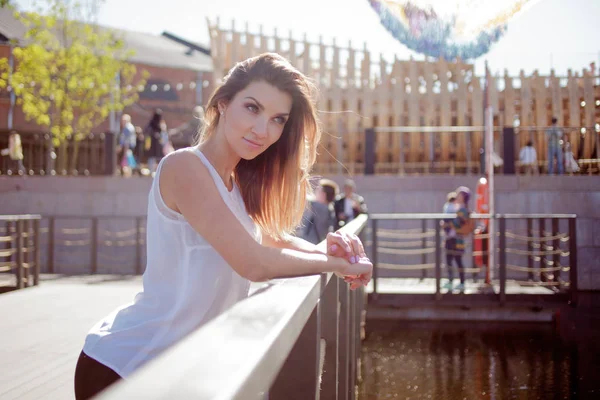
(239, 354)
(18, 217)
(414, 216)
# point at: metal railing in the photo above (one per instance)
(540, 254)
(20, 248)
(296, 338)
(95, 244)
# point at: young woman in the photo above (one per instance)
(220, 215)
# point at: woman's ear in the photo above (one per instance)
(222, 106)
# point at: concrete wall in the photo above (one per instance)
(117, 197)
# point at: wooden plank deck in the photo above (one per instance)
(43, 329)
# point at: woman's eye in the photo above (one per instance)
(280, 120)
(252, 108)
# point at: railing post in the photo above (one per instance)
(402, 166)
(556, 255)
(344, 343)
(424, 245)
(37, 252)
(374, 258)
(51, 245)
(438, 260)
(352, 342)
(530, 250)
(502, 258)
(369, 151)
(298, 378)
(26, 257)
(468, 150)
(542, 229)
(110, 153)
(94, 246)
(19, 248)
(573, 260)
(330, 316)
(138, 245)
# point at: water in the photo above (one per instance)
(456, 361)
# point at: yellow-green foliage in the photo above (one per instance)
(69, 75)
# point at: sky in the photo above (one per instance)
(557, 34)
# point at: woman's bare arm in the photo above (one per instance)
(188, 188)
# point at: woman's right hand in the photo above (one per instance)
(359, 273)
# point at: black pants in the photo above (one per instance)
(92, 377)
(453, 254)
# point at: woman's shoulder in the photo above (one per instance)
(184, 162)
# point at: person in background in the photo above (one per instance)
(350, 205)
(319, 217)
(455, 241)
(554, 137)
(15, 151)
(528, 159)
(127, 143)
(153, 133)
(571, 164)
(449, 208)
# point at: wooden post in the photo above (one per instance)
(19, 272)
(51, 245)
(423, 245)
(37, 252)
(445, 107)
(573, 276)
(574, 115)
(330, 333)
(530, 249)
(352, 344)
(398, 94)
(94, 246)
(299, 376)
(374, 255)
(413, 112)
(542, 249)
(502, 259)
(344, 344)
(589, 113)
(556, 246)
(369, 151)
(438, 260)
(26, 257)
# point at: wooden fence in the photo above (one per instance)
(40, 158)
(20, 250)
(359, 91)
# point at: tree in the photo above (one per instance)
(69, 73)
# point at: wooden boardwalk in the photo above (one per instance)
(43, 329)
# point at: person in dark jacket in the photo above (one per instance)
(349, 205)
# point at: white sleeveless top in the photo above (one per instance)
(186, 284)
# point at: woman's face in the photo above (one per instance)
(254, 119)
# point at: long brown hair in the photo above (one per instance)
(274, 185)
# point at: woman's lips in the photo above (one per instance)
(253, 144)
